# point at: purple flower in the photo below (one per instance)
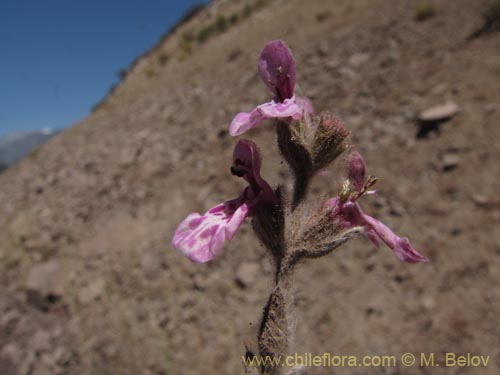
(347, 213)
(201, 237)
(277, 70)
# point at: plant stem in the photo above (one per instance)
(274, 334)
(299, 189)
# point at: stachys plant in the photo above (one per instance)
(291, 231)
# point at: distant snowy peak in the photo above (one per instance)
(47, 131)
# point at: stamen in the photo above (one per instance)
(346, 191)
(370, 181)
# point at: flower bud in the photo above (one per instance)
(277, 69)
(328, 141)
(356, 170)
(294, 149)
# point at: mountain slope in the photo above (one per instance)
(101, 203)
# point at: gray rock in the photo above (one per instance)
(128, 156)
(41, 243)
(323, 50)
(44, 283)
(480, 200)
(92, 291)
(428, 302)
(450, 161)
(491, 108)
(439, 112)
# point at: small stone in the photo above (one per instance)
(439, 113)
(128, 156)
(358, 59)
(44, 283)
(247, 273)
(92, 291)
(41, 243)
(347, 72)
(396, 210)
(200, 281)
(491, 108)
(480, 200)
(332, 64)
(428, 302)
(62, 355)
(450, 161)
(439, 89)
(323, 50)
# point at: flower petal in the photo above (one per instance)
(277, 69)
(201, 237)
(305, 103)
(349, 214)
(245, 121)
(289, 108)
(246, 157)
(401, 246)
(246, 164)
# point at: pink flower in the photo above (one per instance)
(277, 70)
(347, 213)
(201, 237)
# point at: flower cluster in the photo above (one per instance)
(308, 142)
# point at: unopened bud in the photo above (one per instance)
(329, 140)
(356, 170)
(294, 149)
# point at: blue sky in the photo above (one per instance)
(59, 57)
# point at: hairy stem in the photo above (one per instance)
(299, 189)
(275, 334)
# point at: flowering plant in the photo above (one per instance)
(309, 143)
